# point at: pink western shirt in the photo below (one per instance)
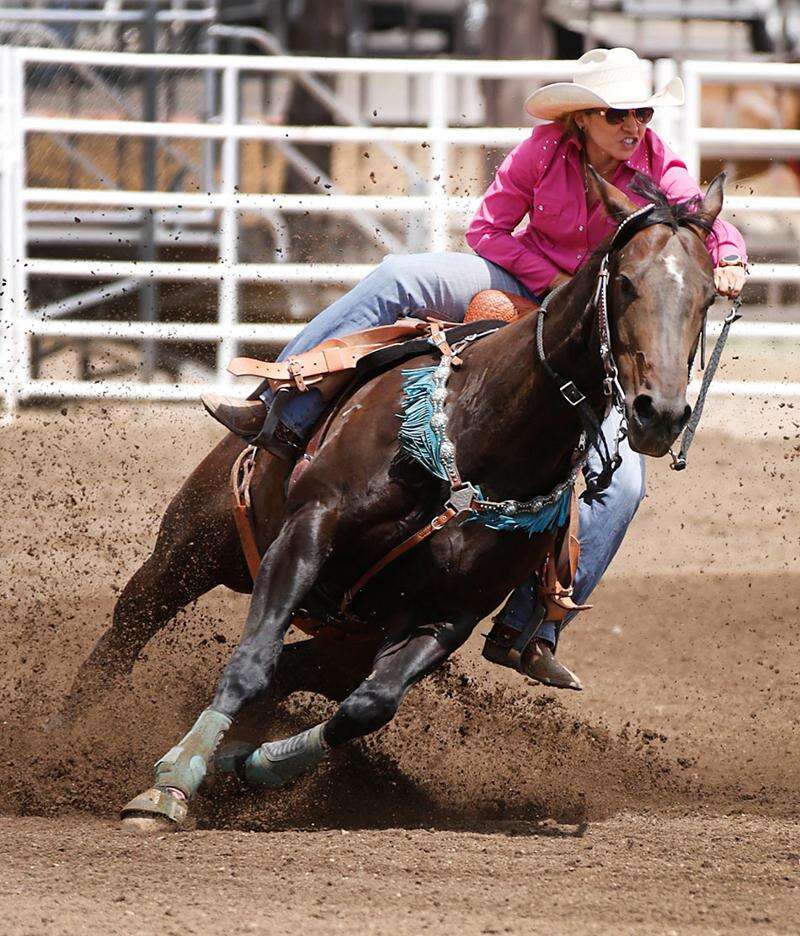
(543, 178)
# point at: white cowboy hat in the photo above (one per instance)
(603, 78)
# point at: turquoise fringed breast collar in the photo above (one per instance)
(423, 436)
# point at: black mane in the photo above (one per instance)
(673, 214)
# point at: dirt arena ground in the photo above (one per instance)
(661, 800)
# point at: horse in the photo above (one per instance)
(516, 433)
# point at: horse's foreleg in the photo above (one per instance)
(373, 704)
(328, 668)
(288, 571)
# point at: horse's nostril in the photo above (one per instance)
(644, 409)
(654, 414)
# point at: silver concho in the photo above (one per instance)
(448, 450)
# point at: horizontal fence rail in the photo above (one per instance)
(697, 140)
(280, 273)
(433, 205)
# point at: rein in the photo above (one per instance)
(679, 460)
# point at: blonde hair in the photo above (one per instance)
(570, 125)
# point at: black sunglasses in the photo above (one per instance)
(615, 116)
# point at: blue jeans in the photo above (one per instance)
(404, 284)
(400, 286)
(604, 519)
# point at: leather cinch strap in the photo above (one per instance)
(558, 570)
(428, 530)
(241, 476)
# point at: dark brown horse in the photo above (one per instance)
(515, 437)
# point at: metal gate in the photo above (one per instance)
(432, 203)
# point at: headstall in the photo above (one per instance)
(615, 396)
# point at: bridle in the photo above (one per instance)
(610, 459)
(612, 390)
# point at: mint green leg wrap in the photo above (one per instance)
(184, 766)
(277, 763)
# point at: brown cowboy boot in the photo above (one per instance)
(250, 420)
(519, 650)
(539, 663)
(243, 418)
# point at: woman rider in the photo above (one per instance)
(600, 117)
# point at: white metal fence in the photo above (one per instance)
(20, 323)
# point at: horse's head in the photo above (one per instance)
(660, 287)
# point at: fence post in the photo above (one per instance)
(666, 120)
(437, 185)
(149, 288)
(13, 356)
(691, 120)
(228, 304)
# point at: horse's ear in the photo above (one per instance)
(616, 203)
(711, 205)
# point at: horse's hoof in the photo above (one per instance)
(153, 812)
(145, 825)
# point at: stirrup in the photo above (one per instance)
(508, 650)
(269, 437)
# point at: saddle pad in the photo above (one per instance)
(376, 361)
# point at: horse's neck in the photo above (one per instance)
(517, 430)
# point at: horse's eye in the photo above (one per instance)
(626, 286)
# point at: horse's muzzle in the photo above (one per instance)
(654, 423)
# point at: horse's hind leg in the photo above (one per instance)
(196, 549)
(398, 665)
(166, 583)
(288, 571)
